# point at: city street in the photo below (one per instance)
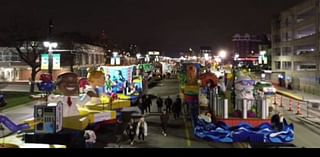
(180, 134)
(306, 134)
(95, 71)
(19, 113)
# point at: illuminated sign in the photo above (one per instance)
(263, 60)
(115, 61)
(156, 53)
(247, 59)
(55, 61)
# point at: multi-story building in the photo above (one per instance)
(10, 64)
(12, 68)
(248, 45)
(295, 47)
(205, 50)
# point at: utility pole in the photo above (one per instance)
(50, 58)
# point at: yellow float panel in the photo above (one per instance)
(118, 104)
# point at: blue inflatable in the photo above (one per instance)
(264, 133)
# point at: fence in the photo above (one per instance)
(256, 107)
(298, 107)
(218, 104)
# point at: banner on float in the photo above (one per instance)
(118, 73)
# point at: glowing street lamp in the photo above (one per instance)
(147, 59)
(138, 55)
(50, 45)
(206, 56)
(236, 56)
(222, 54)
(115, 54)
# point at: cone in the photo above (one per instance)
(298, 109)
(281, 101)
(275, 100)
(290, 105)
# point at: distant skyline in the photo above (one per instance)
(171, 26)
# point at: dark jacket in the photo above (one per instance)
(159, 102)
(131, 130)
(168, 102)
(164, 118)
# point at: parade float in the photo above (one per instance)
(68, 108)
(247, 121)
(188, 79)
(97, 100)
(123, 82)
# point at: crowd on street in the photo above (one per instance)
(166, 106)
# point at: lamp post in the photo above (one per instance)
(138, 55)
(147, 59)
(50, 45)
(236, 56)
(206, 59)
(223, 54)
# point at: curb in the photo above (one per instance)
(315, 124)
(241, 145)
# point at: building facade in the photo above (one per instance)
(13, 69)
(247, 45)
(295, 47)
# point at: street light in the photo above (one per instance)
(138, 55)
(50, 45)
(206, 56)
(222, 54)
(147, 59)
(236, 56)
(115, 54)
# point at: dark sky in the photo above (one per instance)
(168, 25)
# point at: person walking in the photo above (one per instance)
(141, 105)
(164, 117)
(159, 104)
(177, 107)
(90, 138)
(148, 103)
(142, 129)
(168, 103)
(131, 131)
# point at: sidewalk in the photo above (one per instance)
(306, 97)
(298, 94)
(18, 114)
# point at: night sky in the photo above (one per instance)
(171, 26)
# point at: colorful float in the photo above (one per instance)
(248, 120)
(244, 132)
(188, 78)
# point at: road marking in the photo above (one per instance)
(187, 132)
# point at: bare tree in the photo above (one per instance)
(26, 36)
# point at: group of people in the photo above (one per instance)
(170, 106)
(145, 103)
(140, 129)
